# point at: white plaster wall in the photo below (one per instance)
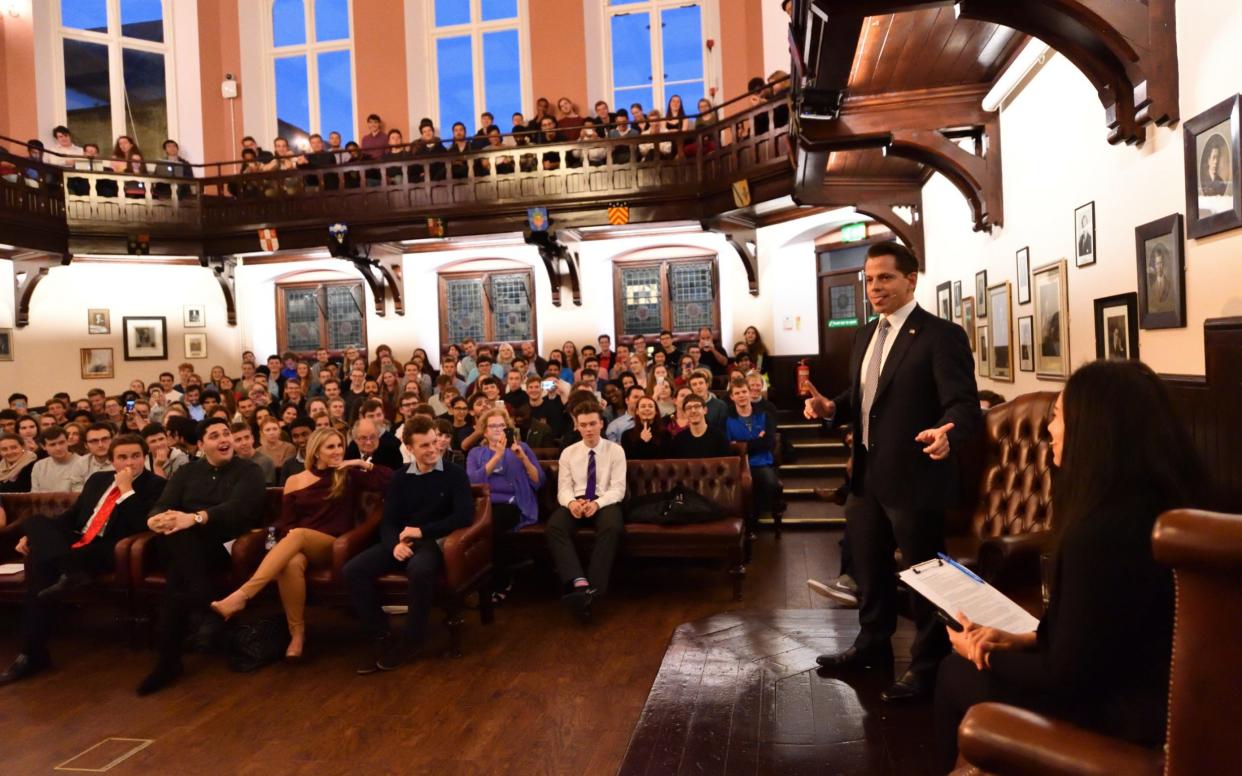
(1056, 158)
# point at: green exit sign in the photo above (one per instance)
(854, 232)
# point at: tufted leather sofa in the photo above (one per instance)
(1009, 526)
(1204, 549)
(725, 481)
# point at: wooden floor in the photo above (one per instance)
(534, 694)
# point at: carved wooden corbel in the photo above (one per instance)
(223, 268)
(739, 232)
(29, 269)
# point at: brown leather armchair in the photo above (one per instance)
(1011, 522)
(1205, 684)
(467, 565)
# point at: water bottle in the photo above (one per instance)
(271, 538)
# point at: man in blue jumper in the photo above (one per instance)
(425, 503)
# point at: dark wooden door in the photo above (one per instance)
(842, 309)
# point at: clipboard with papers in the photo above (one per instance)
(953, 588)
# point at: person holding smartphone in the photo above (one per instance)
(509, 468)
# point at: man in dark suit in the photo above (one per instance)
(912, 402)
(373, 440)
(65, 551)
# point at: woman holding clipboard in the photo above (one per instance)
(1100, 657)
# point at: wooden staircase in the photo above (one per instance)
(818, 461)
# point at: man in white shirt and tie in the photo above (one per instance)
(591, 486)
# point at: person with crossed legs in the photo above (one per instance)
(591, 486)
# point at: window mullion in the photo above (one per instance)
(478, 76)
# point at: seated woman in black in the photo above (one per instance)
(548, 134)
(1100, 658)
(647, 440)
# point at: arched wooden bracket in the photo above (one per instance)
(909, 232)
(223, 268)
(28, 272)
(553, 252)
(378, 278)
(739, 231)
(977, 177)
(882, 200)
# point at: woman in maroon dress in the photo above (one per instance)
(319, 505)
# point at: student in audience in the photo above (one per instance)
(625, 421)
(462, 428)
(299, 432)
(28, 431)
(676, 421)
(207, 502)
(64, 552)
(243, 444)
(647, 439)
(549, 135)
(699, 439)
(596, 155)
(319, 505)
(424, 504)
(374, 141)
(757, 349)
(591, 487)
(273, 444)
(546, 405)
(16, 464)
(717, 411)
(1100, 657)
(509, 468)
(429, 144)
(58, 472)
(533, 431)
(758, 430)
(373, 442)
(98, 436)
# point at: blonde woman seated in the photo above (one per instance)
(319, 505)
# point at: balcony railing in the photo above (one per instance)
(674, 169)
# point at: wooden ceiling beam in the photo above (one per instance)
(880, 199)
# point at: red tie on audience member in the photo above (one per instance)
(100, 518)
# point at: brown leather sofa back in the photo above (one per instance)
(717, 479)
(1015, 486)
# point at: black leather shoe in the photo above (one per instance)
(400, 651)
(165, 673)
(207, 636)
(854, 659)
(909, 687)
(380, 647)
(578, 603)
(24, 667)
(67, 583)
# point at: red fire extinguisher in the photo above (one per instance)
(804, 378)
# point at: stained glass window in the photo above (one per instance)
(487, 307)
(321, 315)
(676, 294)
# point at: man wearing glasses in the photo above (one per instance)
(98, 437)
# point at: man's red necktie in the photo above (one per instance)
(100, 519)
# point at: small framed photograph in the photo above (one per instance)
(1161, 273)
(968, 321)
(146, 337)
(1051, 295)
(981, 293)
(957, 300)
(1023, 259)
(6, 344)
(1116, 326)
(982, 353)
(1213, 170)
(194, 316)
(1000, 338)
(1084, 235)
(98, 321)
(1026, 343)
(97, 363)
(944, 300)
(196, 345)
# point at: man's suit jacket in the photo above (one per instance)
(928, 380)
(129, 516)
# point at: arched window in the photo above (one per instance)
(678, 292)
(310, 69)
(487, 305)
(656, 48)
(315, 314)
(117, 71)
(479, 60)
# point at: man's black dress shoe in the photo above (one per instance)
(909, 687)
(379, 648)
(166, 672)
(578, 602)
(856, 659)
(208, 633)
(399, 651)
(24, 667)
(67, 583)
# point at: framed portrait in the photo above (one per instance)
(982, 353)
(981, 293)
(1213, 170)
(1023, 259)
(1000, 338)
(194, 316)
(96, 363)
(1051, 297)
(1084, 235)
(6, 344)
(957, 300)
(944, 300)
(1116, 326)
(1026, 343)
(196, 345)
(98, 321)
(146, 337)
(968, 321)
(1161, 273)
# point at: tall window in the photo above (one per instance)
(675, 294)
(328, 315)
(310, 62)
(656, 51)
(487, 306)
(478, 47)
(117, 71)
